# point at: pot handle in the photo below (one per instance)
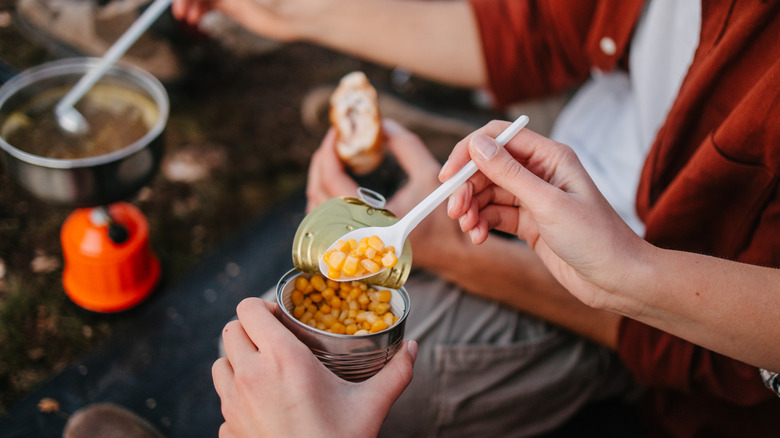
(6, 72)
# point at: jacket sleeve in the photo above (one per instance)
(659, 359)
(533, 48)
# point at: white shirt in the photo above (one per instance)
(613, 119)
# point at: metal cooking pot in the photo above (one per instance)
(91, 181)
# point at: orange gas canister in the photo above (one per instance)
(109, 265)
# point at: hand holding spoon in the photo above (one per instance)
(396, 234)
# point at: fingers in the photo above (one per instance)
(239, 348)
(225, 431)
(465, 205)
(460, 153)
(222, 374)
(224, 382)
(264, 329)
(530, 170)
(536, 169)
(189, 11)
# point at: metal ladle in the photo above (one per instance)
(68, 117)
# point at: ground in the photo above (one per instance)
(235, 144)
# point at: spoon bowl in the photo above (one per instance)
(396, 234)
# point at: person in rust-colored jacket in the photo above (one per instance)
(707, 182)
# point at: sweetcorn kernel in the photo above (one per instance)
(389, 260)
(301, 283)
(353, 258)
(350, 308)
(370, 266)
(336, 260)
(318, 282)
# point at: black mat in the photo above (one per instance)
(159, 364)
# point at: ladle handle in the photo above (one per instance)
(121, 45)
(427, 205)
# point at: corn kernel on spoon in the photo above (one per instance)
(396, 234)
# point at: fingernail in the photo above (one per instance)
(391, 127)
(411, 347)
(450, 201)
(443, 168)
(473, 233)
(484, 146)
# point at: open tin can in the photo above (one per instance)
(351, 357)
(330, 220)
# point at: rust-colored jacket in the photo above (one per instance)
(709, 184)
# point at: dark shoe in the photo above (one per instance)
(89, 28)
(108, 420)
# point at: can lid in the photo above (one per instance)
(334, 218)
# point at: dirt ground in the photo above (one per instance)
(235, 127)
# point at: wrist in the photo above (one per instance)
(632, 293)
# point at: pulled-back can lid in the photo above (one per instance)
(330, 220)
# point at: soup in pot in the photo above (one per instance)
(117, 117)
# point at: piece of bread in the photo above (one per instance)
(354, 113)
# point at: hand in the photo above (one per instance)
(273, 19)
(270, 384)
(537, 189)
(328, 179)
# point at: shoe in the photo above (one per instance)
(108, 420)
(233, 37)
(89, 28)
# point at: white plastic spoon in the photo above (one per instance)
(68, 117)
(396, 234)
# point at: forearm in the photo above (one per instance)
(508, 271)
(725, 306)
(435, 39)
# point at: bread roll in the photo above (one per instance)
(355, 115)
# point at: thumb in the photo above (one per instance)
(391, 380)
(410, 151)
(500, 167)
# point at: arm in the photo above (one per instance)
(725, 306)
(436, 39)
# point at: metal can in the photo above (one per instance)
(351, 357)
(330, 220)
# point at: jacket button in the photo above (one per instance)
(607, 45)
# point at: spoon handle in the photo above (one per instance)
(113, 53)
(427, 205)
